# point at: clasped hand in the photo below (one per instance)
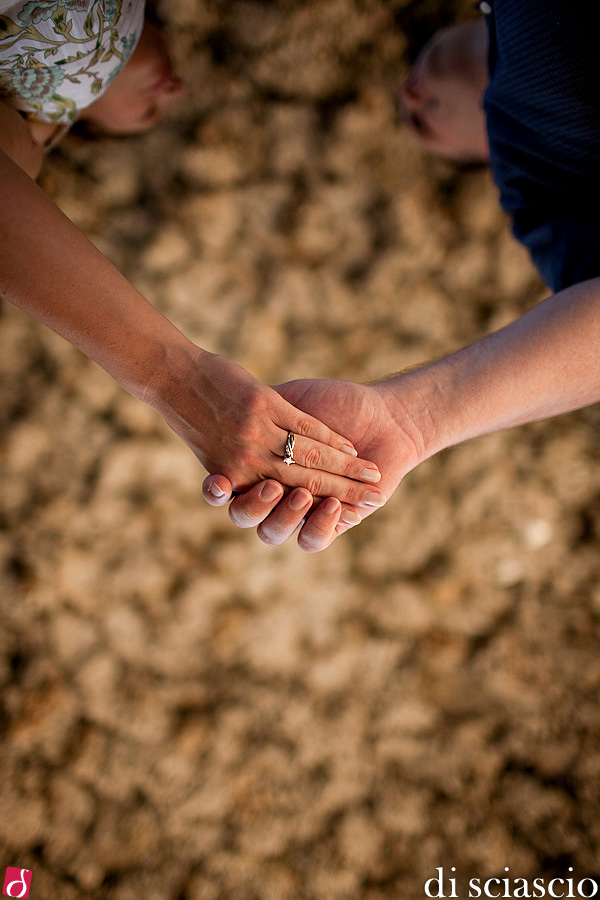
(238, 427)
(363, 415)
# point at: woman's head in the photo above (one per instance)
(441, 101)
(140, 94)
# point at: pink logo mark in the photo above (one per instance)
(17, 882)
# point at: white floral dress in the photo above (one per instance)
(58, 56)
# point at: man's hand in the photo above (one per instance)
(363, 416)
(543, 364)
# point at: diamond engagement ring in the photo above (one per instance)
(288, 456)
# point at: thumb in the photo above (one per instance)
(217, 490)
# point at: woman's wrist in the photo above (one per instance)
(161, 366)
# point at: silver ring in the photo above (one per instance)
(288, 456)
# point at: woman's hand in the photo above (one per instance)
(238, 427)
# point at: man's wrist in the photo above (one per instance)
(443, 402)
(415, 401)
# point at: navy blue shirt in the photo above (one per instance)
(543, 120)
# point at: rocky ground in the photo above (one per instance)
(188, 714)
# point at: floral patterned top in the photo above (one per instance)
(58, 56)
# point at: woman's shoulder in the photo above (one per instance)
(58, 56)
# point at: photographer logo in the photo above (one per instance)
(17, 882)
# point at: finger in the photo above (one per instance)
(312, 454)
(349, 518)
(250, 508)
(352, 516)
(320, 528)
(324, 484)
(303, 425)
(285, 518)
(217, 490)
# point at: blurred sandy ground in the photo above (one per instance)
(189, 715)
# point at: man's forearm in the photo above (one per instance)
(541, 365)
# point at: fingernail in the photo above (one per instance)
(370, 475)
(331, 506)
(373, 500)
(269, 492)
(349, 517)
(346, 448)
(299, 499)
(215, 490)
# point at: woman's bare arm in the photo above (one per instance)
(17, 141)
(232, 422)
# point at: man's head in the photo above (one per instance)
(441, 101)
(140, 94)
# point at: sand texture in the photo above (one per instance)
(187, 714)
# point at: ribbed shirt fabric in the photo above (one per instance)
(543, 118)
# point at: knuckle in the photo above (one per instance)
(315, 485)
(255, 399)
(354, 495)
(303, 426)
(313, 458)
